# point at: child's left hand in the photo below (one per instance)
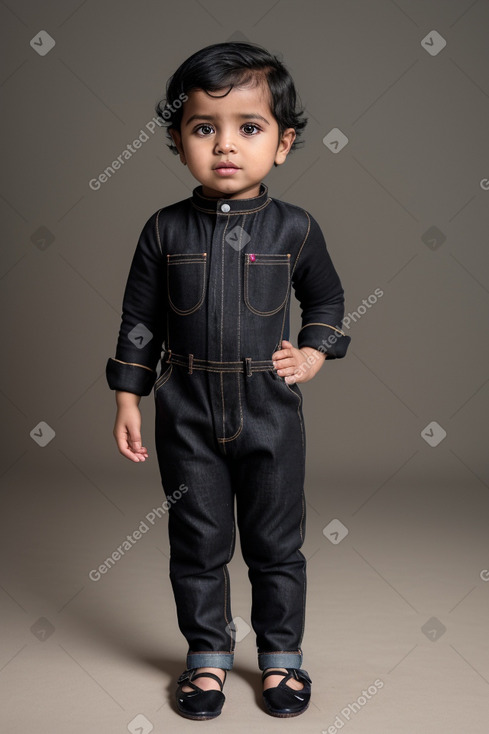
(297, 365)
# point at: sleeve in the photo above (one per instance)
(318, 288)
(143, 320)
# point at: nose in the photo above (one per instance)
(225, 141)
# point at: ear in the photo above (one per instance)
(285, 145)
(177, 141)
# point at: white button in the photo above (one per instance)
(225, 208)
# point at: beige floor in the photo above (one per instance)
(110, 650)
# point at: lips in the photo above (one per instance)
(226, 164)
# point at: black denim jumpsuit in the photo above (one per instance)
(209, 286)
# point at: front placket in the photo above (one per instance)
(224, 316)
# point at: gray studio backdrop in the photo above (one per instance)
(395, 168)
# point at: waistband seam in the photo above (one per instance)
(247, 364)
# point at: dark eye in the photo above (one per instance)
(204, 129)
(249, 131)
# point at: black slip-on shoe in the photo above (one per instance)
(284, 701)
(197, 703)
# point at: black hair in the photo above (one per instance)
(231, 65)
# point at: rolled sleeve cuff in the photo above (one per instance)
(325, 338)
(129, 377)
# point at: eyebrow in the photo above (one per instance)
(243, 116)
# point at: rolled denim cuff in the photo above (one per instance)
(325, 338)
(129, 377)
(223, 660)
(279, 659)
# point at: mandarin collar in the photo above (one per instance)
(230, 206)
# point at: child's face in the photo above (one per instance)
(238, 128)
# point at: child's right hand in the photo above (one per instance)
(127, 428)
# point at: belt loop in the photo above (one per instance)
(168, 360)
(248, 366)
(190, 363)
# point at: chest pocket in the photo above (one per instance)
(186, 281)
(266, 282)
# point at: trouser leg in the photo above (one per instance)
(269, 482)
(201, 527)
